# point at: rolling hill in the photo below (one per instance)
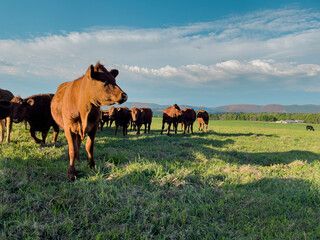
(246, 108)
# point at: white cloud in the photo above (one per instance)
(227, 69)
(197, 53)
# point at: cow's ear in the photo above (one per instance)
(30, 102)
(114, 72)
(89, 72)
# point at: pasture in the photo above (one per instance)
(241, 180)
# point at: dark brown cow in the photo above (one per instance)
(203, 119)
(188, 118)
(141, 116)
(36, 111)
(171, 115)
(121, 116)
(76, 108)
(5, 97)
(104, 118)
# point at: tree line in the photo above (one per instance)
(267, 117)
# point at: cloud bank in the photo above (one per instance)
(265, 46)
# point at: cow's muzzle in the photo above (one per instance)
(123, 99)
(15, 120)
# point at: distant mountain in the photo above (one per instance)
(246, 108)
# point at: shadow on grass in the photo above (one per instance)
(270, 208)
(267, 158)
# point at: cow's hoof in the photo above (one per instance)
(92, 164)
(72, 173)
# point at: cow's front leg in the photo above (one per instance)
(9, 128)
(168, 131)
(90, 145)
(73, 150)
(44, 136)
(116, 129)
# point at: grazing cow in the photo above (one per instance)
(76, 108)
(36, 111)
(171, 115)
(203, 119)
(104, 118)
(121, 116)
(5, 97)
(308, 127)
(188, 118)
(141, 116)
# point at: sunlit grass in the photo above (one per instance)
(242, 180)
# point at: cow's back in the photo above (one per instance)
(190, 114)
(39, 114)
(203, 116)
(6, 95)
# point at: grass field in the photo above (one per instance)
(241, 180)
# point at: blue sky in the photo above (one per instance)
(203, 53)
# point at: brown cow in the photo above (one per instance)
(188, 118)
(5, 97)
(76, 108)
(141, 116)
(121, 116)
(36, 111)
(171, 115)
(203, 119)
(104, 118)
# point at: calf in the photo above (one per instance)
(36, 111)
(141, 116)
(203, 119)
(121, 116)
(308, 127)
(5, 98)
(171, 115)
(76, 108)
(188, 118)
(104, 118)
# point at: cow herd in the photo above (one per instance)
(75, 107)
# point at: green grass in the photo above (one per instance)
(241, 180)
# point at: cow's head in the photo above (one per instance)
(5, 109)
(135, 113)
(102, 87)
(19, 108)
(112, 113)
(180, 114)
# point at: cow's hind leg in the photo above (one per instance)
(56, 130)
(2, 127)
(77, 142)
(32, 133)
(90, 145)
(162, 127)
